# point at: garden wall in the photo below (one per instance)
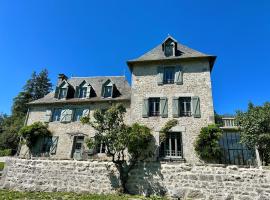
(174, 179)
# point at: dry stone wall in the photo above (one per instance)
(178, 180)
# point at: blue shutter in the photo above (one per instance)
(160, 75)
(178, 75)
(175, 107)
(145, 108)
(54, 145)
(164, 107)
(196, 111)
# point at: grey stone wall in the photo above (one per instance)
(67, 131)
(196, 82)
(179, 180)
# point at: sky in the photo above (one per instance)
(97, 37)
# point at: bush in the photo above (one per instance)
(5, 152)
(207, 144)
(2, 165)
(32, 132)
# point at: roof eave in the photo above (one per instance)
(210, 58)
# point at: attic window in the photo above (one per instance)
(83, 92)
(62, 93)
(108, 89)
(169, 48)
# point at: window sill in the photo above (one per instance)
(172, 159)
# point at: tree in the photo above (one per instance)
(254, 127)
(207, 144)
(126, 145)
(36, 87)
(33, 132)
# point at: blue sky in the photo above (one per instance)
(90, 38)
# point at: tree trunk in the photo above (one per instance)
(123, 177)
(258, 158)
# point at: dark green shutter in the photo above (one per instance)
(54, 145)
(175, 107)
(48, 115)
(145, 108)
(196, 111)
(88, 91)
(178, 75)
(160, 75)
(77, 92)
(56, 93)
(164, 107)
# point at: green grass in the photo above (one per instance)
(10, 195)
(2, 166)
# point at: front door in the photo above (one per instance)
(77, 150)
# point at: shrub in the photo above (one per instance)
(5, 152)
(207, 144)
(32, 132)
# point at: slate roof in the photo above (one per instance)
(96, 82)
(182, 52)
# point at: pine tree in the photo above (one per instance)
(36, 87)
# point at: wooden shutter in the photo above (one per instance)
(54, 145)
(85, 112)
(145, 108)
(178, 75)
(66, 115)
(48, 115)
(164, 107)
(175, 107)
(77, 92)
(56, 92)
(160, 75)
(88, 92)
(196, 111)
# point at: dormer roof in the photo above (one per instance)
(96, 83)
(181, 52)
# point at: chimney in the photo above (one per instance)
(61, 77)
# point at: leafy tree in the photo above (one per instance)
(36, 87)
(218, 119)
(126, 145)
(255, 129)
(207, 144)
(33, 132)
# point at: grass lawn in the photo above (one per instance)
(2, 166)
(10, 195)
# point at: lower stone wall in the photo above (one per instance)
(179, 180)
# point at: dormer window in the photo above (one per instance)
(62, 93)
(64, 90)
(169, 49)
(84, 90)
(108, 90)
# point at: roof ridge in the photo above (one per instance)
(93, 76)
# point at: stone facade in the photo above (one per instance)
(196, 82)
(67, 131)
(183, 181)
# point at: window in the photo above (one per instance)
(107, 91)
(185, 106)
(62, 93)
(78, 114)
(56, 114)
(83, 92)
(169, 74)
(172, 146)
(169, 48)
(154, 106)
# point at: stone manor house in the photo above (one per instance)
(171, 81)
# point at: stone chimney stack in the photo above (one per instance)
(61, 77)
